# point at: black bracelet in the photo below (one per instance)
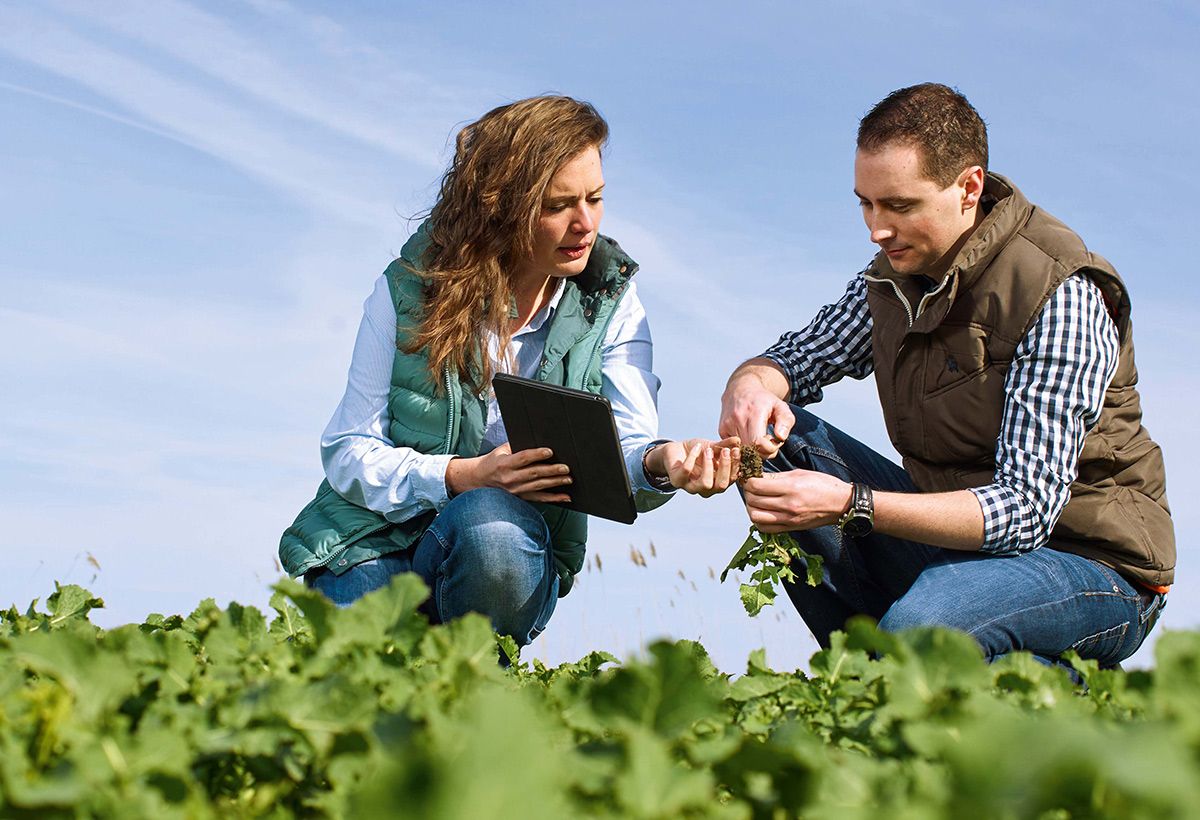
(661, 483)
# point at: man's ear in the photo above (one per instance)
(971, 182)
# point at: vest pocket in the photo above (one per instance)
(955, 355)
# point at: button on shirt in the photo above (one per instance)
(1054, 392)
(364, 465)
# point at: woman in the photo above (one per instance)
(509, 273)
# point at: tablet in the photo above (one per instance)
(579, 427)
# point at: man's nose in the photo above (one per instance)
(881, 231)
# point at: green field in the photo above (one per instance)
(370, 712)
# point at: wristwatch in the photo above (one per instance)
(859, 520)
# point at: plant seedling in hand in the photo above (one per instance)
(772, 555)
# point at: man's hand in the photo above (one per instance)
(795, 500)
(697, 466)
(525, 474)
(753, 399)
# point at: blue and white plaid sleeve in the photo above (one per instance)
(1054, 394)
(836, 343)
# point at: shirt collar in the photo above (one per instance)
(547, 310)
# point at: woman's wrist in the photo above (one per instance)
(457, 476)
(654, 467)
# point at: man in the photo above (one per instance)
(1031, 511)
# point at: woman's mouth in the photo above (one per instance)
(574, 251)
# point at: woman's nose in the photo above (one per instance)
(585, 220)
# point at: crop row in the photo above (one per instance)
(369, 711)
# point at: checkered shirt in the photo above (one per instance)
(1054, 392)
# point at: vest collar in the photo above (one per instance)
(1009, 213)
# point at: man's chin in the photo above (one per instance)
(908, 267)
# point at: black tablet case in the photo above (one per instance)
(579, 427)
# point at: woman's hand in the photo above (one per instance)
(697, 466)
(525, 474)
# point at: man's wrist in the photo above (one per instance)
(859, 518)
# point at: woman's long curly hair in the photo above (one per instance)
(481, 228)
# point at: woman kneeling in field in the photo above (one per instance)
(508, 274)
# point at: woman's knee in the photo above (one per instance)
(491, 522)
(477, 508)
(498, 541)
(496, 559)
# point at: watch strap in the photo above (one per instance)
(859, 519)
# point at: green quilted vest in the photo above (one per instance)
(335, 533)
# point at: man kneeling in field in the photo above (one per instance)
(1031, 511)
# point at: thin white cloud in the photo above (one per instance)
(334, 99)
(195, 116)
(88, 109)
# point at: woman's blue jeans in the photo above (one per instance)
(1044, 601)
(487, 551)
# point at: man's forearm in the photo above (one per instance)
(763, 371)
(953, 520)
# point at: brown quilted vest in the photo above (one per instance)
(940, 362)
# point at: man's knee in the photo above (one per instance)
(794, 453)
(922, 610)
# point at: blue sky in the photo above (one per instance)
(196, 198)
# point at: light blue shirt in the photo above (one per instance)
(366, 467)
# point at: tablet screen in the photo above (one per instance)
(579, 427)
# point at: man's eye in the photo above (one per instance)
(595, 199)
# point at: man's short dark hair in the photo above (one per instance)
(937, 120)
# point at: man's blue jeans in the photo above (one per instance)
(487, 552)
(1044, 601)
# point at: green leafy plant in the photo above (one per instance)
(772, 557)
(369, 711)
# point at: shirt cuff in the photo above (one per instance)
(428, 481)
(637, 471)
(1001, 514)
(793, 387)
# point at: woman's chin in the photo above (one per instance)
(572, 268)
